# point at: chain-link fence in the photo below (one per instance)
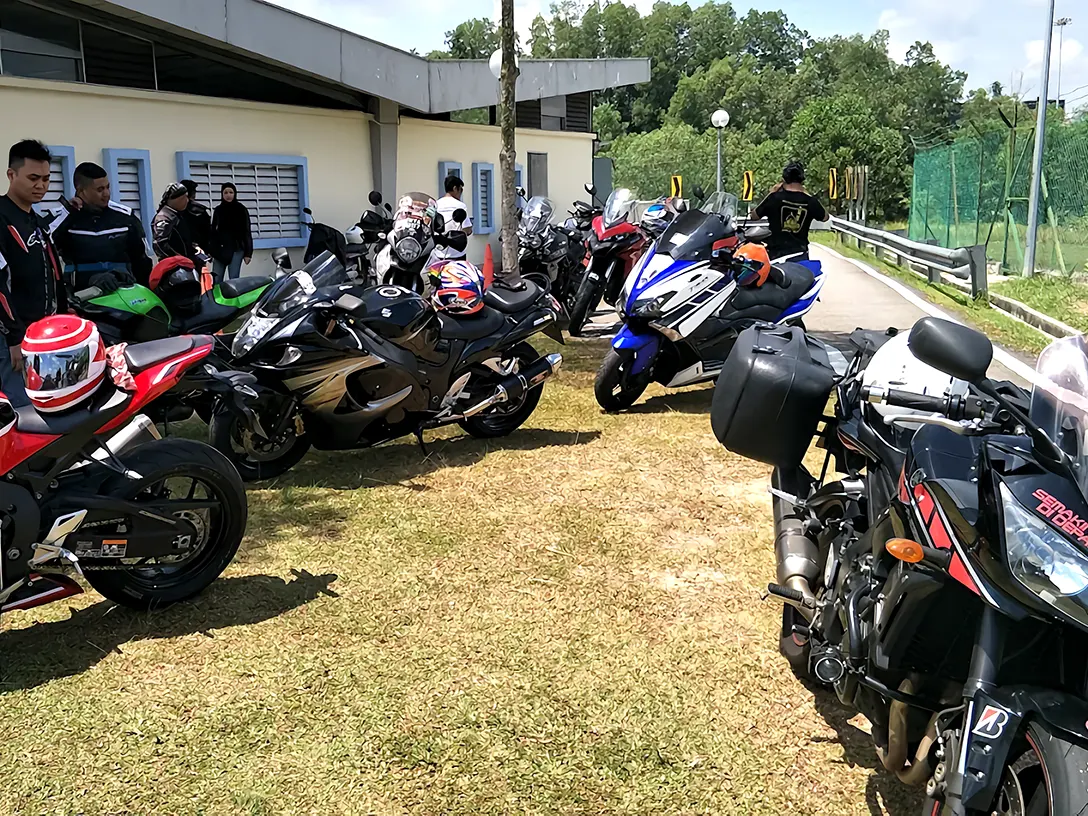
(975, 191)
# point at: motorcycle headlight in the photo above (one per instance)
(251, 333)
(408, 249)
(652, 308)
(382, 263)
(1044, 561)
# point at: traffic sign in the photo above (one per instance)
(851, 184)
(677, 187)
(749, 186)
(833, 183)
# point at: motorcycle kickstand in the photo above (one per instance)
(422, 444)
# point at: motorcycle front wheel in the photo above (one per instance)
(615, 388)
(181, 470)
(506, 418)
(1044, 777)
(255, 457)
(589, 295)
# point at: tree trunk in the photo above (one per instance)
(507, 120)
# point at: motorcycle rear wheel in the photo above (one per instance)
(1044, 776)
(615, 388)
(166, 463)
(255, 459)
(504, 419)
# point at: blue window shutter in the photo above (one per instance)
(447, 168)
(483, 197)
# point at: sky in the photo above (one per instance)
(992, 40)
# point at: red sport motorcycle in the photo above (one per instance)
(614, 245)
(94, 492)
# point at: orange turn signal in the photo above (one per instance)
(905, 550)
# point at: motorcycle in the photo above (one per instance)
(549, 254)
(682, 309)
(341, 366)
(95, 493)
(614, 246)
(353, 247)
(414, 232)
(939, 585)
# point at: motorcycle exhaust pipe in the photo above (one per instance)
(514, 386)
(796, 554)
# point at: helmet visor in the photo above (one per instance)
(56, 370)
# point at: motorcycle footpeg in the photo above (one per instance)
(791, 596)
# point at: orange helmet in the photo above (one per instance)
(754, 265)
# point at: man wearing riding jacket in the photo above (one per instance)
(101, 241)
(30, 284)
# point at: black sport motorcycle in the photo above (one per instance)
(341, 366)
(550, 255)
(940, 585)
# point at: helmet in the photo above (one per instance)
(656, 219)
(755, 265)
(176, 281)
(460, 289)
(893, 365)
(64, 362)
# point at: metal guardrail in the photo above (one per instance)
(965, 263)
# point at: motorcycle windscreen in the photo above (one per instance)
(695, 235)
(1059, 401)
(537, 214)
(285, 294)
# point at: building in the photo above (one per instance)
(296, 112)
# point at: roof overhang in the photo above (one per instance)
(299, 45)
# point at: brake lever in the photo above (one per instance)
(961, 428)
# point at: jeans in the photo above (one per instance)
(11, 381)
(233, 269)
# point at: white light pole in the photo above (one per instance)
(1061, 23)
(1037, 158)
(720, 119)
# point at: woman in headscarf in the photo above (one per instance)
(232, 236)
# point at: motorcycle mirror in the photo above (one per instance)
(308, 211)
(459, 215)
(388, 208)
(520, 192)
(952, 348)
(438, 225)
(698, 192)
(375, 198)
(281, 257)
(591, 189)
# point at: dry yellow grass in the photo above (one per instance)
(563, 622)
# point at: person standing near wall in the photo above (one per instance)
(452, 201)
(170, 233)
(199, 218)
(232, 235)
(30, 282)
(101, 241)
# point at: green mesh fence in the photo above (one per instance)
(975, 191)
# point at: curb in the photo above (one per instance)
(1035, 319)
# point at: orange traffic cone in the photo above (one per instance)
(489, 266)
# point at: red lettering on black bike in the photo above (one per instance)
(1061, 516)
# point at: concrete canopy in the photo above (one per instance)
(300, 45)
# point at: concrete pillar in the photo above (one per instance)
(383, 148)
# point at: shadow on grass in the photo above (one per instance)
(47, 651)
(884, 793)
(684, 402)
(401, 463)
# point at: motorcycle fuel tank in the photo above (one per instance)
(395, 313)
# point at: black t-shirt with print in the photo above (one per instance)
(789, 214)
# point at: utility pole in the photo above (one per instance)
(1037, 158)
(1061, 23)
(507, 121)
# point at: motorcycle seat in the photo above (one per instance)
(95, 413)
(240, 286)
(510, 300)
(798, 280)
(141, 356)
(470, 327)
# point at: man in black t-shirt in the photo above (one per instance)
(790, 211)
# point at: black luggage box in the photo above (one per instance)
(771, 393)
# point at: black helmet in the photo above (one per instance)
(177, 283)
(794, 172)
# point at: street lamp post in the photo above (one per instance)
(720, 119)
(1037, 157)
(1061, 23)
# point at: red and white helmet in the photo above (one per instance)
(64, 362)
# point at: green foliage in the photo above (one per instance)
(645, 161)
(473, 39)
(608, 123)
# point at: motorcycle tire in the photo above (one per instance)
(614, 389)
(503, 420)
(1044, 771)
(226, 435)
(152, 588)
(589, 295)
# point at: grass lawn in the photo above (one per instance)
(563, 622)
(999, 327)
(1059, 298)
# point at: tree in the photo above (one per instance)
(607, 122)
(541, 43)
(473, 39)
(772, 39)
(645, 161)
(508, 156)
(714, 34)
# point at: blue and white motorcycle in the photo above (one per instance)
(682, 308)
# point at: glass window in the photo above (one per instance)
(38, 44)
(117, 59)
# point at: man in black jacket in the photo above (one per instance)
(101, 241)
(199, 218)
(30, 283)
(170, 234)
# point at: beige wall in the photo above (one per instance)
(336, 144)
(422, 144)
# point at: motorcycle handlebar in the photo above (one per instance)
(954, 407)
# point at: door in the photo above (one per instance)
(538, 174)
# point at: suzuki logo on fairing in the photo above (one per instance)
(991, 723)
